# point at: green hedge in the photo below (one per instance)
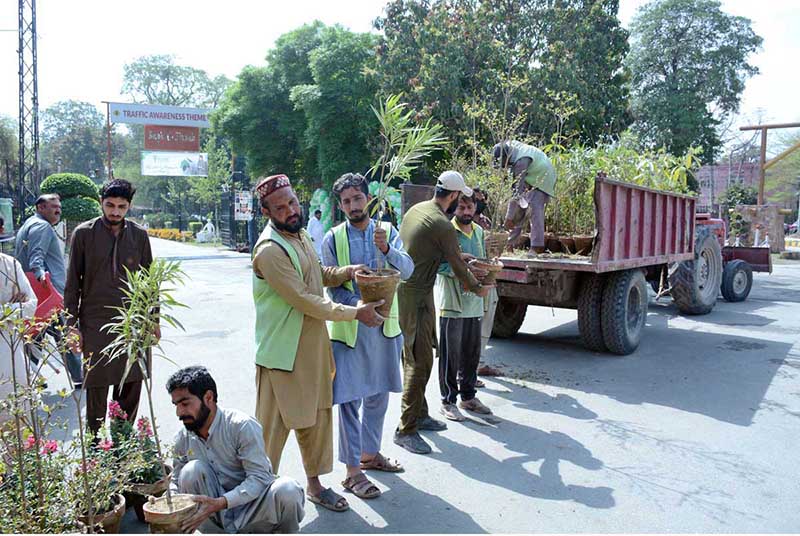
(69, 185)
(195, 227)
(80, 209)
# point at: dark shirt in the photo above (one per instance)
(430, 240)
(95, 283)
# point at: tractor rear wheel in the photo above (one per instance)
(694, 284)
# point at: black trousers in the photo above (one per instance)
(459, 353)
(97, 402)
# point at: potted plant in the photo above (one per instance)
(146, 303)
(137, 442)
(405, 145)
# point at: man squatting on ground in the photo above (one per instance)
(460, 322)
(430, 239)
(294, 361)
(219, 459)
(367, 358)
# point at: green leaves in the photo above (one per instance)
(148, 298)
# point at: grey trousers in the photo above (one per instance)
(488, 321)
(279, 509)
(537, 200)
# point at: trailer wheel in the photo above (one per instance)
(694, 284)
(624, 311)
(737, 280)
(508, 318)
(590, 301)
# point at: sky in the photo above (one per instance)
(83, 44)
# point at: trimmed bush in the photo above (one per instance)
(69, 185)
(80, 209)
(195, 227)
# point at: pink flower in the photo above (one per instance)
(106, 444)
(115, 411)
(50, 446)
(30, 442)
(85, 467)
(143, 426)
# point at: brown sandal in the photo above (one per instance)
(382, 463)
(361, 486)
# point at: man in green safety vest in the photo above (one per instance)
(367, 359)
(537, 183)
(294, 362)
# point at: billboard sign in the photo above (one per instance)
(166, 138)
(174, 164)
(154, 114)
(243, 206)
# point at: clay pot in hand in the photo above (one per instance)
(164, 519)
(493, 266)
(376, 285)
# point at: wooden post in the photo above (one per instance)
(761, 161)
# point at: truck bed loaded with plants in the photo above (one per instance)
(609, 238)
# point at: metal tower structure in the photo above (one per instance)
(28, 107)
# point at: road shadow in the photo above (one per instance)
(431, 513)
(719, 375)
(531, 445)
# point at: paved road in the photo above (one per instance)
(692, 433)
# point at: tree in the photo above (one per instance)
(513, 57)
(158, 80)
(337, 106)
(782, 183)
(73, 137)
(9, 136)
(257, 117)
(688, 65)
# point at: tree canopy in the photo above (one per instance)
(688, 64)
(73, 137)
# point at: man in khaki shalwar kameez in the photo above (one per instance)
(294, 360)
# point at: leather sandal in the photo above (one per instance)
(361, 486)
(382, 463)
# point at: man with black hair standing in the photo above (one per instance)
(100, 251)
(219, 459)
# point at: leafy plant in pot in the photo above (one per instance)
(137, 442)
(405, 145)
(148, 296)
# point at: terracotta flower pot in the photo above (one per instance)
(165, 520)
(138, 493)
(583, 244)
(496, 242)
(567, 244)
(490, 265)
(111, 520)
(378, 285)
(552, 244)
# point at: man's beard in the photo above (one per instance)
(464, 220)
(293, 228)
(111, 223)
(452, 208)
(358, 219)
(197, 423)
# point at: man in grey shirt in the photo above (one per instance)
(220, 459)
(38, 250)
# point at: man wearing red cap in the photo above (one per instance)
(294, 361)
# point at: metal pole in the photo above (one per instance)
(761, 170)
(108, 140)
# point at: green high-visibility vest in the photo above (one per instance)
(347, 331)
(278, 324)
(540, 173)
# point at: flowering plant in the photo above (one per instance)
(129, 441)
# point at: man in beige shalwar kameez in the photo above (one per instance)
(294, 360)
